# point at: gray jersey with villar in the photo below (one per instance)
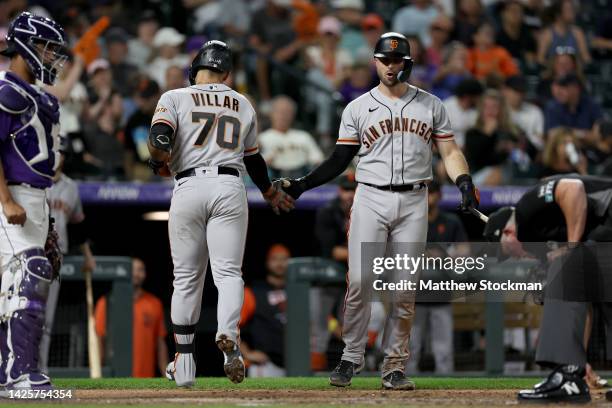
(213, 126)
(395, 135)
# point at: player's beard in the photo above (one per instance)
(389, 83)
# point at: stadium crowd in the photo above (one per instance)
(523, 80)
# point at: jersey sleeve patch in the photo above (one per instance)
(13, 101)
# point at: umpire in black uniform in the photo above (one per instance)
(574, 212)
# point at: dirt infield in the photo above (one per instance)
(334, 397)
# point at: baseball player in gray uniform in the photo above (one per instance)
(205, 136)
(391, 129)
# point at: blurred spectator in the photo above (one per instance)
(514, 35)
(533, 11)
(263, 318)
(602, 38)
(72, 95)
(175, 78)
(326, 58)
(453, 70)
(489, 143)
(289, 152)
(140, 49)
(136, 132)
(350, 14)
(331, 228)
(422, 73)
(561, 154)
(562, 33)
(328, 66)
(272, 35)
(149, 349)
(563, 62)
(105, 152)
(439, 32)
(604, 133)
(359, 81)
(415, 19)
(433, 321)
(571, 107)
(525, 116)
(487, 59)
(236, 17)
(461, 107)
(124, 73)
(372, 27)
(470, 15)
(205, 15)
(167, 43)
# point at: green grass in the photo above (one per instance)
(295, 383)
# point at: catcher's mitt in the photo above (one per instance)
(52, 249)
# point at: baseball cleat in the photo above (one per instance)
(565, 384)
(343, 373)
(182, 370)
(233, 364)
(397, 380)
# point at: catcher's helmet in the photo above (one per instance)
(395, 45)
(41, 42)
(214, 55)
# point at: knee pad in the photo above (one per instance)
(26, 288)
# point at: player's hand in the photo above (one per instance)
(159, 168)
(470, 197)
(14, 213)
(293, 187)
(278, 199)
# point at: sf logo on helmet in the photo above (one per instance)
(394, 44)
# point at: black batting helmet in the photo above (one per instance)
(214, 55)
(494, 228)
(395, 45)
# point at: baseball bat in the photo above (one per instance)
(95, 368)
(480, 215)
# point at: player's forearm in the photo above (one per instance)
(331, 168)
(5, 193)
(454, 160)
(258, 171)
(158, 154)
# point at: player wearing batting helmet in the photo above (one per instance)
(565, 209)
(392, 129)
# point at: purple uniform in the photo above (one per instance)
(29, 130)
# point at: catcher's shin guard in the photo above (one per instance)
(183, 369)
(26, 286)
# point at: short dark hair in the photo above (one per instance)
(469, 87)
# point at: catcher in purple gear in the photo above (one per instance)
(29, 140)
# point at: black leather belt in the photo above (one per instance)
(192, 172)
(14, 183)
(399, 187)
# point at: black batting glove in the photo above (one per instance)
(470, 196)
(294, 187)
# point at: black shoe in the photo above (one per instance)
(343, 373)
(565, 384)
(397, 380)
